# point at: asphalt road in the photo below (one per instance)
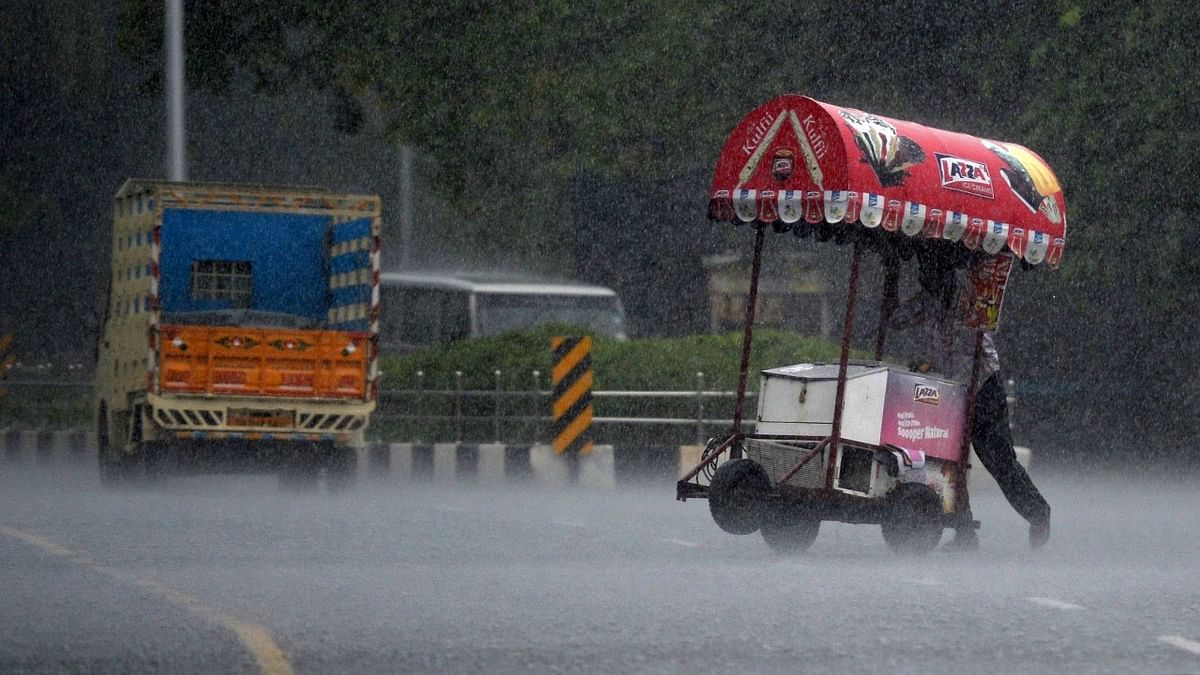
(227, 574)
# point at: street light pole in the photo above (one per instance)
(406, 205)
(173, 34)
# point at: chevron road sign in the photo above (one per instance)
(572, 405)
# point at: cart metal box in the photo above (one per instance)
(887, 409)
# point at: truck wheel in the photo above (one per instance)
(109, 470)
(790, 530)
(301, 468)
(153, 456)
(115, 473)
(115, 470)
(341, 469)
(736, 494)
(912, 522)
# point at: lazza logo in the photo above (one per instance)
(926, 393)
(965, 175)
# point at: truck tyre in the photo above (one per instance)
(109, 473)
(115, 470)
(122, 471)
(341, 469)
(153, 455)
(912, 520)
(736, 494)
(790, 530)
(301, 468)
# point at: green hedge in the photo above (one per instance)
(651, 364)
(45, 406)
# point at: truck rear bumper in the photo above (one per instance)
(258, 418)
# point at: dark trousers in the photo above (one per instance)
(993, 444)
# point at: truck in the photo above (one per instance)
(240, 330)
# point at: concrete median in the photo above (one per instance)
(47, 446)
(486, 463)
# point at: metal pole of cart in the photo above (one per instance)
(840, 398)
(747, 338)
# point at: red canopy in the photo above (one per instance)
(794, 158)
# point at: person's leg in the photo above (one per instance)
(993, 444)
(965, 537)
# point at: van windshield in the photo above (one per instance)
(503, 312)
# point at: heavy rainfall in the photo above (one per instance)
(555, 163)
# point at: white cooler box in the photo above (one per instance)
(917, 418)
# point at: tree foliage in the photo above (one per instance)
(556, 118)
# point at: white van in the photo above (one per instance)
(420, 310)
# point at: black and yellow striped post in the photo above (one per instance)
(572, 380)
(7, 359)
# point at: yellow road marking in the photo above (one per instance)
(44, 544)
(271, 659)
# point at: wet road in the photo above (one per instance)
(221, 574)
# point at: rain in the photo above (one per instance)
(558, 144)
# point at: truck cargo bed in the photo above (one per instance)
(241, 361)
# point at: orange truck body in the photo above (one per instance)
(223, 360)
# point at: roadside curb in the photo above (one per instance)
(47, 446)
(485, 463)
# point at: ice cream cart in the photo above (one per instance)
(867, 441)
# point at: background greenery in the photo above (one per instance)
(581, 135)
(425, 384)
(608, 115)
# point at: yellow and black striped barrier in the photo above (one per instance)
(572, 380)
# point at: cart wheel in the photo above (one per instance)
(912, 523)
(735, 496)
(791, 530)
